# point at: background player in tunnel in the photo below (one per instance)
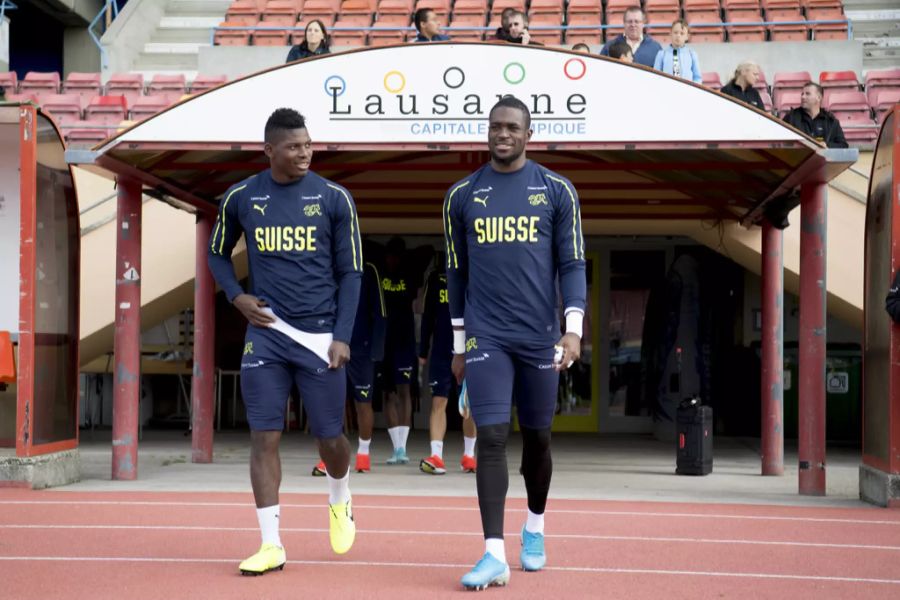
(513, 230)
(305, 259)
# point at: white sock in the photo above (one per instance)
(339, 489)
(364, 447)
(437, 448)
(469, 446)
(535, 523)
(394, 432)
(495, 546)
(268, 518)
(404, 434)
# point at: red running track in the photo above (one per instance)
(188, 545)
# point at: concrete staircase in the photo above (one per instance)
(174, 46)
(877, 24)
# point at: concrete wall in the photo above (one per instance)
(72, 12)
(128, 34)
(235, 61)
(80, 53)
(4, 44)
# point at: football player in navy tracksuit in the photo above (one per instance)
(513, 231)
(305, 258)
(436, 325)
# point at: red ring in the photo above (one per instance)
(575, 60)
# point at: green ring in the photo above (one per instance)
(506, 77)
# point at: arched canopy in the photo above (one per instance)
(398, 124)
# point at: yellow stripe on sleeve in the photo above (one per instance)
(221, 223)
(575, 219)
(448, 229)
(380, 291)
(355, 238)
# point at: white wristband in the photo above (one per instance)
(575, 322)
(459, 341)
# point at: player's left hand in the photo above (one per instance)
(338, 354)
(571, 345)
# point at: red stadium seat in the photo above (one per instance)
(498, 6)
(788, 32)
(766, 99)
(839, 79)
(884, 100)
(84, 85)
(881, 79)
(846, 102)
(774, 8)
(744, 33)
(170, 87)
(548, 37)
(9, 81)
(202, 83)
(786, 100)
(26, 97)
(827, 11)
(275, 36)
(554, 7)
(281, 12)
(110, 110)
(358, 7)
(354, 20)
(708, 34)
(231, 37)
(348, 38)
(87, 132)
(585, 17)
(793, 80)
(712, 81)
(242, 12)
(858, 129)
(583, 36)
(403, 8)
(40, 83)
(65, 108)
(441, 7)
(386, 37)
(148, 106)
(129, 85)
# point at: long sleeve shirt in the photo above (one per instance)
(303, 247)
(510, 238)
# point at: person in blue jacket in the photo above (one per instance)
(677, 59)
(643, 47)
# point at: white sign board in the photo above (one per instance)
(9, 227)
(442, 93)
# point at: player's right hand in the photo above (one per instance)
(251, 307)
(422, 361)
(458, 367)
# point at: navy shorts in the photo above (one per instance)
(494, 369)
(399, 364)
(271, 364)
(440, 376)
(361, 375)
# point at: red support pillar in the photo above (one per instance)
(202, 411)
(772, 386)
(812, 339)
(127, 374)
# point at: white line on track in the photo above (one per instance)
(408, 565)
(416, 532)
(613, 513)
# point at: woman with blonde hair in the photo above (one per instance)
(741, 85)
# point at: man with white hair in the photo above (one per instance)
(643, 47)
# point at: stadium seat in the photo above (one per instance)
(396, 11)
(793, 80)
(149, 106)
(7, 359)
(468, 20)
(84, 85)
(737, 7)
(109, 110)
(884, 100)
(776, 8)
(794, 32)
(349, 38)
(881, 79)
(582, 16)
(441, 7)
(231, 37)
(786, 100)
(704, 11)
(858, 129)
(766, 99)
(851, 105)
(358, 7)
(170, 87)
(40, 84)
(548, 37)
(712, 80)
(281, 12)
(202, 83)
(839, 79)
(827, 10)
(87, 132)
(498, 6)
(590, 37)
(553, 7)
(26, 97)
(354, 19)
(708, 34)
(129, 85)
(270, 37)
(744, 33)
(65, 108)
(661, 12)
(242, 12)
(386, 37)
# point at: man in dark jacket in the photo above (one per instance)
(502, 32)
(815, 122)
(428, 26)
(643, 47)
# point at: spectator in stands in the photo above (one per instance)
(741, 85)
(677, 59)
(579, 47)
(429, 26)
(518, 30)
(315, 42)
(621, 51)
(502, 32)
(643, 47)
(813, 120)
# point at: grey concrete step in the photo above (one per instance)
(197, 7)
(165, 62)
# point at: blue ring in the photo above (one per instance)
(343, 85)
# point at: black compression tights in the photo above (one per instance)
(537, 467)
(492, 477)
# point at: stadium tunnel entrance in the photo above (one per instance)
(398, 125)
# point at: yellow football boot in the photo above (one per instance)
(269, 558)
(342, 529)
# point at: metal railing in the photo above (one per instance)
(105, 16)
(561, 28)
(6, 5)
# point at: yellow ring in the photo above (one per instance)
(402, 80)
